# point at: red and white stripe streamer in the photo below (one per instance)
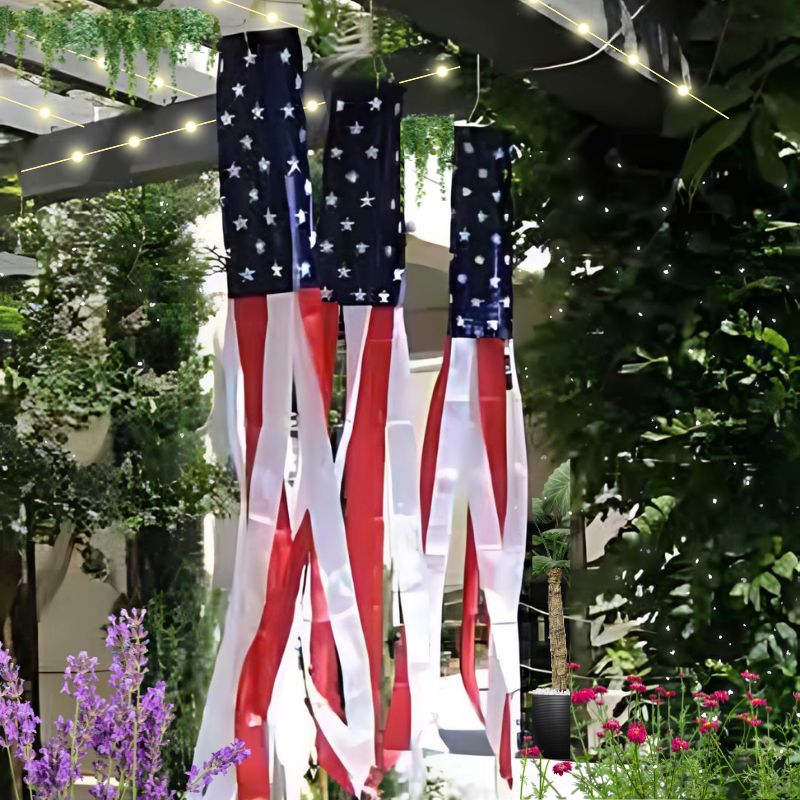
(475, 447)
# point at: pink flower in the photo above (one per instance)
(562, 767)
(611, 725)
(721, 696)
(758, 701)
(636, 733)
(599, 702)
(654, 698)
(531, 752)
(604, 689)
(637, 688)
(679, 744)
(710, 702)
(601, 735)
(750, 676)
(706, 725)
(699, 695)
(572, 666)
(582, 696)
(634, 678)
(669, 693)
(796, 696)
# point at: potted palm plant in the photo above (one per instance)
(552, 516)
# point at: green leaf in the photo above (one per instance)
(556, 492)
(707, 147)
(786, 565)
(772, 169)
(788, 633)
(540, 565)
(538, 513)
(785, 110)
(773, 338)
(769, 582)
(680, 119)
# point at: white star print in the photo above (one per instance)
(479, 260)
(288, 111)
(356, 128)
(326, 293)
(462, 278)
(307, 188)
(247, 142)
(302, 135)
(344, 272)
(460, 321)
(476, 302)
(388, 250)
(372, 152)
(253, 195)
(250, 59)
(277, 270)
(238, 90)
(301, 216)
(331, 200)
(466, 191)
(463, 236)
(270, 217)
(398, 274)
(506, 302)
(375, 103)
(257, 111)
(494, 282)
(305, 269)
(336, 152)
(325, 246)
(492, 324)
(366, 201)
(298, 83)
(360, 295)
(496, 196)
(234, 170)
(260, 246)
(247, 275)
(498, 154)
(347, 224)
(383, 297)
(352, 176)
(362, 248)
(482, 217)
(496, 238)
(241, 223)
(340, 105)
(294, 165)
(285, 55)
(263, 165)
(469, 148)
(483, 173)
(227, 118)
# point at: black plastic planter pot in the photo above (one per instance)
(551, 725)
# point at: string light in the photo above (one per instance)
(271, 17)
(191, 126)
(41, 111)
(632, 58)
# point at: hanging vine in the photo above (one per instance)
(118, 37)
(422, 136)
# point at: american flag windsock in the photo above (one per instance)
(474, 441)
(281, 337)
(361, 249)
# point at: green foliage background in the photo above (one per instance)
(668, 370)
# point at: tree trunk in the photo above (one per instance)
(558, 635)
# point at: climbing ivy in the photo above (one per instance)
(116, 36)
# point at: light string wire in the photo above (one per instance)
(190, 127)
(632, 58)
(270, 16)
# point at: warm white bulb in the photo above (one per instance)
(272, 17)
(633, 59)
(583, 29)
(312, 105)
(101, 62)
(683, 90)
(158, 82)
(44, 112)
(442, 71)
(191, 126)
(134, 141)
(77, 156)
(216, 2)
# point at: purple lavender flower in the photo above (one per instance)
(125, 733)
(221, 761)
